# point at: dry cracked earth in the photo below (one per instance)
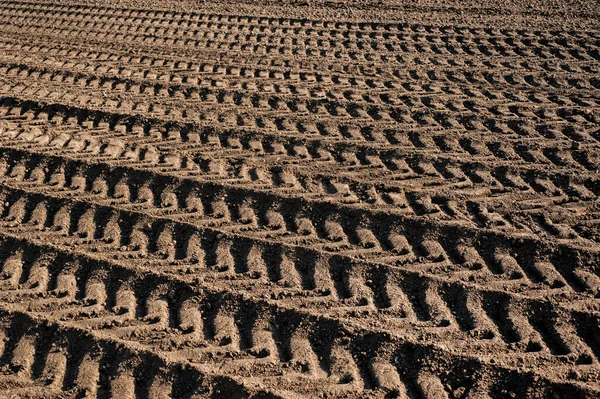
(324, 199)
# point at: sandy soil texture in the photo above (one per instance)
(299, 199)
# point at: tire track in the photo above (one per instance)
(307, 207)
(211, 205)
(226, 255)
(468, 178)
(71, 281)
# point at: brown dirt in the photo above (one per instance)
(320, 199)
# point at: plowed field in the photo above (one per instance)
(299, 199)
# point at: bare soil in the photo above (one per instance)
(319, 199)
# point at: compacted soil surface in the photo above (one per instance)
(311, 199)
